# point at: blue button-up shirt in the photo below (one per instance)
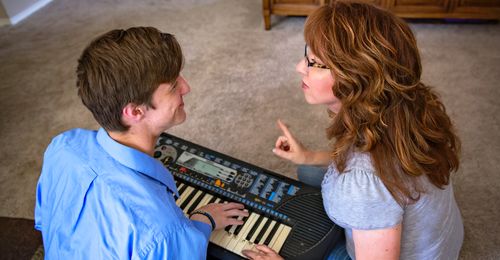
(99, 199)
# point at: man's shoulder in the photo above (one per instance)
(72, 136)
(75, 141)
(75, 151)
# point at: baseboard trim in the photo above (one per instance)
(29, 11)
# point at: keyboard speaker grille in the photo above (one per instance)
(312, 224)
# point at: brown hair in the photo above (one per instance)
(125, 66)
(386, 110)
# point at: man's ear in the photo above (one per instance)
(133, 113)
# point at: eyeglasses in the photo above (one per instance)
(313, 63)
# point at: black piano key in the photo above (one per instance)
(272, 233)
(263, 231)
(188, 199)
(212, 200)
(181, 190)
(195, 204)
(238, 229)
(255, 226)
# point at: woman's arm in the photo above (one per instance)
(377, 244)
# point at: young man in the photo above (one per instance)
(101, 194)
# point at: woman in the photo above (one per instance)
(388, 181)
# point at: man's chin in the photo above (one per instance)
(181, 118)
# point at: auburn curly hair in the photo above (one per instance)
(386, 109)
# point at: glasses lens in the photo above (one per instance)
(306, 60)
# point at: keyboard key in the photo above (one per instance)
(271, 234)
(266, 228)
(281, 238)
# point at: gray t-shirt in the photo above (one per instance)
(357, 199)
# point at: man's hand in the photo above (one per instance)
(262, 252)
(224, 214)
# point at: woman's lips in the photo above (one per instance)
(304, 85)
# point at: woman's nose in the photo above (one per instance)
(301, 67)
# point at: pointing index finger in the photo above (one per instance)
(284, 129)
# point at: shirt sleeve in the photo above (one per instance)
(360, 200)
(203, 227)
(187, 242)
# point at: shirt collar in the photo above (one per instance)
(136, 160)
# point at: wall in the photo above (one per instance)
(17, 10)
(4, 19)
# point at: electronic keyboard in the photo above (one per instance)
(285, 214)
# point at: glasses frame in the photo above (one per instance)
(313, 63)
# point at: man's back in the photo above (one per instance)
(99, 199)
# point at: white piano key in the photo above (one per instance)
(280, 239)
(257, 231)
(268, 230)
(217, 236)
(204, 201)
(198, 193)
(240, 238)
(225, 237)
(184, 195)
(276, 235)
(248, 244)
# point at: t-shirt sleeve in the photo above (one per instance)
(358, 199)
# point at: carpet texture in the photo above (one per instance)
(242, 80)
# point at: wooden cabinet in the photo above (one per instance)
(481, 9)
(288, 7)
(417, 8)
(462, 9)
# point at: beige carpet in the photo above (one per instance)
(242, 80)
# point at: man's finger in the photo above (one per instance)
(236, 213)
(234, 222)
(232, 205)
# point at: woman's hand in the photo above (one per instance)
(289, 148)
(262, 252)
